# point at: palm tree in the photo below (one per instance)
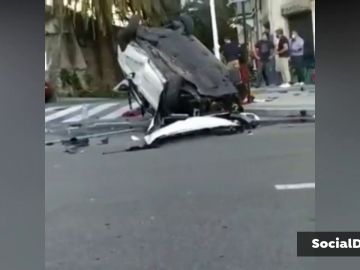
(95, 21)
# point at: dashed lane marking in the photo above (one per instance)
(295, 186)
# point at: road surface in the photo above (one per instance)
(209, 203)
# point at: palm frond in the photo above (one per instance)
(101, 11)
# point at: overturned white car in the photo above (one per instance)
(173, 76)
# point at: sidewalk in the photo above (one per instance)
(81, 99)
(269, 102)
(278, 102)
(278, 89)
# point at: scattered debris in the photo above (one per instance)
(135, 138)
(105, 140)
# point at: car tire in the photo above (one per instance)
(125, 35)
(171, 94)
(188, 24)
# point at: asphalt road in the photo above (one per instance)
(205, 203)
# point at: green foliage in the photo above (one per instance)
(102, 94)
(70, 79)
(200, 12)
(154, 12)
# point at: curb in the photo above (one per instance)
(282, 112)
(76, 99)
(269, 90)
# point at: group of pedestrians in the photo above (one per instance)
(272, 56)
(279, 56)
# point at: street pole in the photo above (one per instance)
(256, 20)
(243, 11)
(313, 19)
(214, 30)
(244, 21)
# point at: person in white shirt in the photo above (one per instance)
(297, 56)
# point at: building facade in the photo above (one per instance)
(290, 15)
(273, 14)
(270, 15)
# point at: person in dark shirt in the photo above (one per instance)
(264, 52)
(284, 54)
(231, 52)
(234, 56)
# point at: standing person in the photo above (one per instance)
(297, 56)
(264, 52)
(284, 55)
(273, 73)
(231, 52)
(245, 73)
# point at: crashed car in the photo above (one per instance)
(178, 82)
(49, 90)
(172, 75)
(175, 80)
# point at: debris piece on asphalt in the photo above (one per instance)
(135, 138)
(105, 140)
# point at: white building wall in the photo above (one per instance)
(275, 18)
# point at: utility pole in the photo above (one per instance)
(244, 22)
(256, 19)
(214, 30)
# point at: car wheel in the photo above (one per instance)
(171, 95)
(125, 35)
(188, 24)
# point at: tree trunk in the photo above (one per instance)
(106, 57)
(106, 62)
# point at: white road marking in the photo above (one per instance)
(91, 112)
(118, 113)
(296, 186)
(62, 113)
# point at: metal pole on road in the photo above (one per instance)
(244, 23)
(214, 29)
(256, 20)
